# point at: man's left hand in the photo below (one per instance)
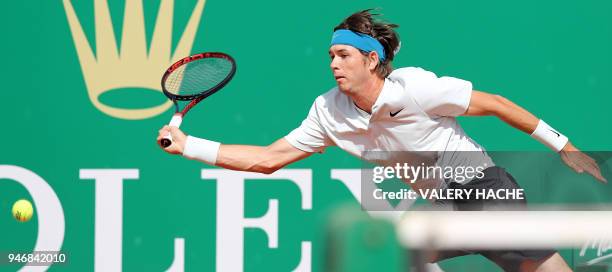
(581, 162)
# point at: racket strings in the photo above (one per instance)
(198, 76)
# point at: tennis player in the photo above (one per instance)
(374, 107)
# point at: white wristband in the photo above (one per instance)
(549, 136)
(201, 149)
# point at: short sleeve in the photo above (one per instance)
(441, 96)
(310, 135)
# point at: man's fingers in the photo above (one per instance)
(596, 172)
(597, 175)
(572, 165)
(590, 161)
(596, 167)
(601, 178)
(577, 168)
(592, 168)
(166, 131)
(581, 163)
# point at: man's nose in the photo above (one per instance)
(334, 64)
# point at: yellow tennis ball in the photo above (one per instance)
(22, 210)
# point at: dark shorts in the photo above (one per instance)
(494, 178)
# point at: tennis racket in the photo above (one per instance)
(192, 79)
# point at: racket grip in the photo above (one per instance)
(174, 122)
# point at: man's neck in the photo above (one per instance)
(366, 97)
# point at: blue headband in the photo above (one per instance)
(359, 41)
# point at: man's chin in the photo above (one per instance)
(343, 88)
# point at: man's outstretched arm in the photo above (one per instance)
(261, 159)
(482, 104)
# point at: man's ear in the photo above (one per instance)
(373, 60)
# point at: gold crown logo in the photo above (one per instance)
(130, 67)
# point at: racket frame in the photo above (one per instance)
(177, 118)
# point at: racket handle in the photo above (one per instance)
(174, 122)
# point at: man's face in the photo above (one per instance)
(349, 66)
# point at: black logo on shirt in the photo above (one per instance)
(558, 135)
(393, 114)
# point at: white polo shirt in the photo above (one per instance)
(415, 111)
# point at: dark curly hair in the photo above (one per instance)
(364, 22)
